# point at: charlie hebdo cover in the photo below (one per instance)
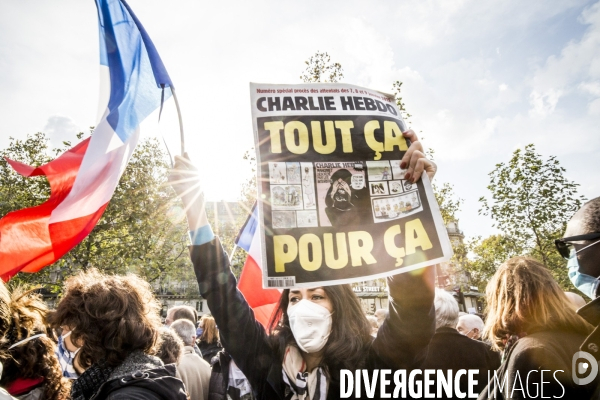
(333, 203)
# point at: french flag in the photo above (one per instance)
(84, 178)
(262, 301)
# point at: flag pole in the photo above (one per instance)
(180, 121)
(235, 246)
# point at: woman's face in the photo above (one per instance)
(316, 295)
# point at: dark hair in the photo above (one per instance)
(185, 312)
(111, 316)
(36, 358)
(170, 346)
(350, 332)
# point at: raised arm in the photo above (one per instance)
(241, 335)
(403, 338)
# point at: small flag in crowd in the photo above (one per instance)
(262, 301)
(83, 179)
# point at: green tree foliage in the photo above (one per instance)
(448, 201)
(486, 255)
(17, 191)
(450, 204)
(531, 202)
(397, 90)
(143, 229)
(319, 68)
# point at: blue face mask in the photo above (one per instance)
(585, 283)
(66, 357)
(199, 332)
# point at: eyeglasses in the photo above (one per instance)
(565, 247)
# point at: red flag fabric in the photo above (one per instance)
(28, 240)
(262, 301)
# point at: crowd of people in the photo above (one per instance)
(106, 339)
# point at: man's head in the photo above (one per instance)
(586, 221)
(181, 312)
(470, 325)
(446, 310)
(185, 330)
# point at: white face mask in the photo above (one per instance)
(310, 324)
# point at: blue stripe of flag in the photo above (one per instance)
(136, 70)
(244, 238)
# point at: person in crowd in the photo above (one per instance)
(450, 350)
(31, 370)
(530, 319)
(115, 321)
(374, 325)
(295, 360)
(209, 342)
(576, 300)
(193, 370)
(183, 312)
(65, 352)
(199, 328)
(580, 247)
(381, 314)
(170, 346)
(227, 381)
(470, 325)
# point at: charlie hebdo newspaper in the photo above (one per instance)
(333, 202)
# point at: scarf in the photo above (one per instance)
(23, 385)
(302, 385)
(90, 381)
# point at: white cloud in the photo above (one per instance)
(591, 87)
(594, 107)
(563, 74)
(543, 104)
(61, 129)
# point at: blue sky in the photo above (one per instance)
(480, 78)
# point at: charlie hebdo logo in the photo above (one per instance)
(580, 367)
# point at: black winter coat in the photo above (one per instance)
(547, 352)
(401, 342)
(209, 350)
(449, 350)
(591, 313)
(154, 384)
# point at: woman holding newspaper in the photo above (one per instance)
(316, 332)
